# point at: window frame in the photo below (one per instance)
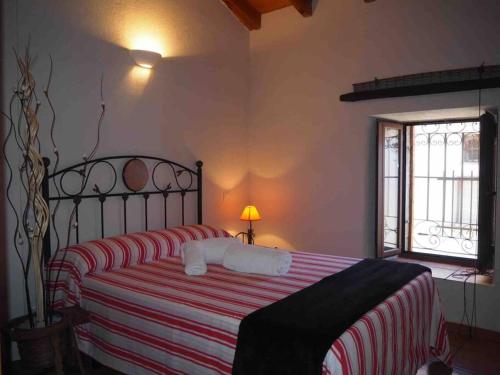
(381, 251)
(485, 257)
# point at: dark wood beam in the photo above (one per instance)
(304, 7)
(426, 89)
(245, 13)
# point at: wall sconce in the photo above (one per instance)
(145, 59)
(250, 214)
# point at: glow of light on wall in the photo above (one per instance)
(132, 25)
(272, 240)
(267, 239)
(138, 78)
(276, 159)
(234, 232)
(170, 28)
(224, 166)
(145, 31)
(226, 180)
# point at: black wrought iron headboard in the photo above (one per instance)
(56, 182)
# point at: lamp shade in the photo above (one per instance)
(145, 59)
(250, 213)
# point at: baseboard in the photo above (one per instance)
(480, 333)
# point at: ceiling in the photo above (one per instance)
(249, 12)
(266, 6)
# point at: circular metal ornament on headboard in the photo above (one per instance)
(135, 174)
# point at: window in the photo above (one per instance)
(436, 190)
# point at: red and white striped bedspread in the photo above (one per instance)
(152, 318)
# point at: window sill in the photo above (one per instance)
(448, 271)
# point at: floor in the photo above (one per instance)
(472, 356)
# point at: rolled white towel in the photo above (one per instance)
(193, 258)
(255, 259)
(215, 248)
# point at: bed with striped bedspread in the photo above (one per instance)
(147, 316)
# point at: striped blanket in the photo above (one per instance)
(148, 317)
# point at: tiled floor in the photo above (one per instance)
(472, 356)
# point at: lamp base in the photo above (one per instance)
(250, 236)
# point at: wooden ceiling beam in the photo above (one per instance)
(304, 7)
(245, 13)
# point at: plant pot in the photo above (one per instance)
(39, 348)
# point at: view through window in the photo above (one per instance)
(443, 160)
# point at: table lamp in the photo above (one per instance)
(250, 214)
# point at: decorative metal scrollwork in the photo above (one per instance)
(87, 175)
(179, 180)
(432, 235)
(391, 143)
(177, 173)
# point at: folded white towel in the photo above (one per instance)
(255, 259)
(193, 258)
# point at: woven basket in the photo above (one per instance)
(38, 346)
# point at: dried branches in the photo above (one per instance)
(32, 215)
(84, 179)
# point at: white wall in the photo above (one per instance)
(192, 105)
(312, 157)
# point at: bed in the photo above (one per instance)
(148, 317)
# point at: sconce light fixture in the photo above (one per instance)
(250, 214)
(145, 59)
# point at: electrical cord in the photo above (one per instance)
(465, 316)
(472, 320)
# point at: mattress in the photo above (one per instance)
(151, 318)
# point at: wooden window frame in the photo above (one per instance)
(381, 251)
(487, 195)
(488, 154)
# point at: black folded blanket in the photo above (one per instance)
(293, 335)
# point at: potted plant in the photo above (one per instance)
(38, 333)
